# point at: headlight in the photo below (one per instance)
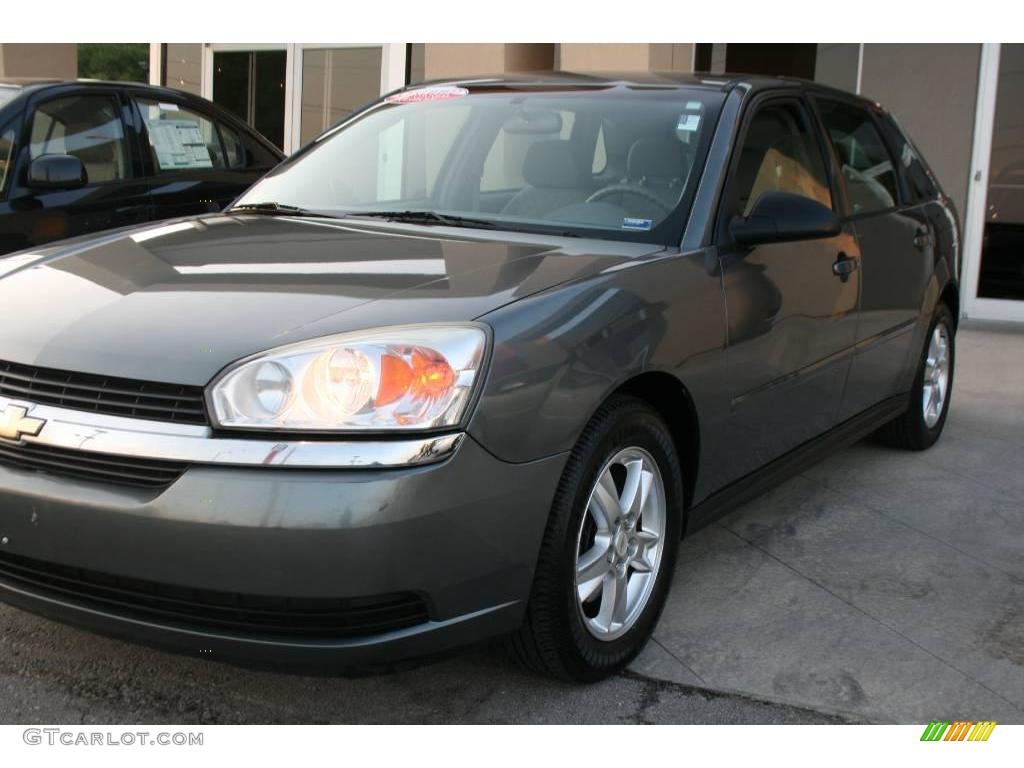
(405, 378)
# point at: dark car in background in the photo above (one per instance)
(80, 157)
(469, 364)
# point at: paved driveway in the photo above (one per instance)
(878, 585)
(881, 583)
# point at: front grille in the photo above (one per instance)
(249, 614)
(152, 400)
(86, 465)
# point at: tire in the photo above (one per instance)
(562, 636)
(912, 431)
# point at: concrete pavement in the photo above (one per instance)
(881, 583)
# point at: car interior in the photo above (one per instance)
(87, 127)
(587, 168)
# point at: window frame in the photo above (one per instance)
(847, 213)
(128, 133)
(727, 198)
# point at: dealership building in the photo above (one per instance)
(963, 104)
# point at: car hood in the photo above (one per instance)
(178, 301)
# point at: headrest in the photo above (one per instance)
(664, 159)
(551, 165)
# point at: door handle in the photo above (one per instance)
(922, 238)
(844, 266)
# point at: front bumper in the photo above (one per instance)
(462, 533)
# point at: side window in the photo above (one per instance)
(600, 162)
(919, 179)
(865, 163)
(780, 154)
(234, 150)
(6, 156)
(87, 127)
(258, 155)
(179, 138)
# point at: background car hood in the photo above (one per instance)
(178, 301)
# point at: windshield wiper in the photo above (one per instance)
(429, 217)
(275, 209)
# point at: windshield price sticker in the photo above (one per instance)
(432, 93)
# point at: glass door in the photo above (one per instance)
(993, 277)
(251, 84)
(334, 83)
(1001, 275)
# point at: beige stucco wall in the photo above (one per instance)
(932, 89)
(596, 57)
(184, 67)
(442, 60)
(47, 60)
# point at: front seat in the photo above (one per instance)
(660, 166)
(554, 180)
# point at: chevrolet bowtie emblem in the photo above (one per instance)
(16, 423)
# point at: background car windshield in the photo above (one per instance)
(619, 160)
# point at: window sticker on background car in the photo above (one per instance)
(179, 144)
(433, 93)
(641, 225)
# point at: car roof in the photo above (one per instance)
(31, 84)
(643, 80)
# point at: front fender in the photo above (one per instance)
(559, 354)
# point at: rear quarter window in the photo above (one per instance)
(920, 183)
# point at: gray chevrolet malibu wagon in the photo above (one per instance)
(469, 364)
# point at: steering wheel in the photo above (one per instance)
(629, 189)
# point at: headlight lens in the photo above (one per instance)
(406, 378)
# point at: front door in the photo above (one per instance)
(90, 126)
(791, 318)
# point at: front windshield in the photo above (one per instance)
(611, 161)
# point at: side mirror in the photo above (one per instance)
(57, 172)
(780, 217)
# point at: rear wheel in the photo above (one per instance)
(609, 549)
(923, 421)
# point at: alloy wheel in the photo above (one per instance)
(619, 544)
(936, 376)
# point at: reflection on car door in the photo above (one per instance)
(896, 242)
(90, 126)
(195, 164)
(791, 319)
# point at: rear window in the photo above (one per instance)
(868, 171)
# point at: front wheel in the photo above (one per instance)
(609, 549)
(921, 425)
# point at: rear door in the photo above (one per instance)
(88, 123)
(896, 238)
(195, 162)
(791, 318)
